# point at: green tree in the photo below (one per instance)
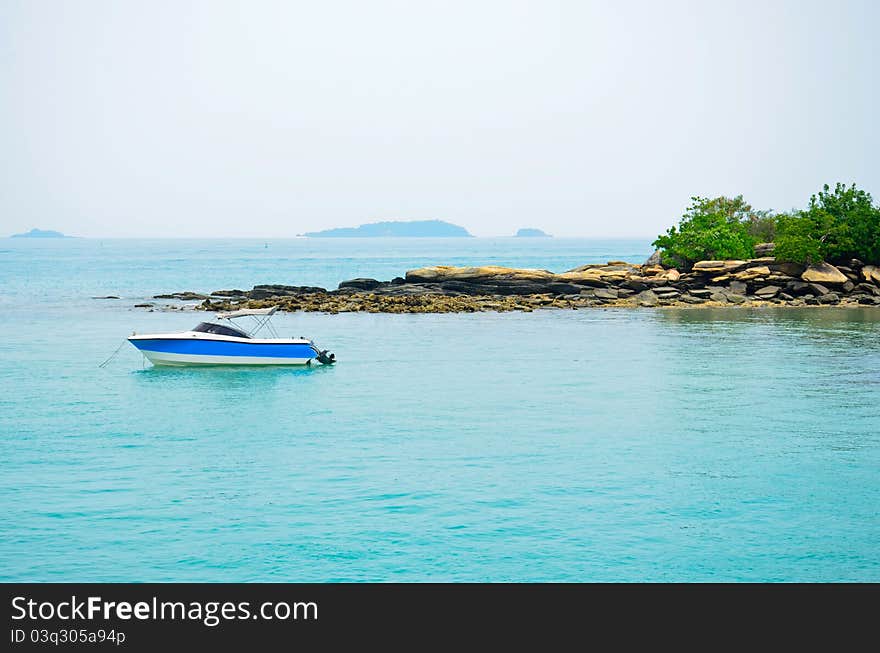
(717, 228)
(837, 225)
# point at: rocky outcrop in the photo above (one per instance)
(441, 289)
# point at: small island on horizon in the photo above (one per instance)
(399, 229)
(40, 233)
(530, 232)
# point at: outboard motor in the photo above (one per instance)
(325, 357)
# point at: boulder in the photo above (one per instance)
(797, 287)
(719, 267)
(737, 287)
(690, 299)
(871, 273)
(700, 292)
(647, 298)
(791, 269)
(654, 259)
(719, 297)
(828, 298)
(605, 293)
(869, 288)
(767, 292)
(634, 284)
(818, 289)
(824, 273)
(752, 273)
(361, 284)
(735, 299)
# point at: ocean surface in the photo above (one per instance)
(590, 445)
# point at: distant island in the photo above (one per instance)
(407, 229)
(40, 233)
(532, 233)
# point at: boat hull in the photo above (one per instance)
(196, 351)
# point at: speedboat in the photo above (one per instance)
(210, 343)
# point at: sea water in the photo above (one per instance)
(592, 445)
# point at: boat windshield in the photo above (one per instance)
(220, 330)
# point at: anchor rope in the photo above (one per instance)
(113, 355)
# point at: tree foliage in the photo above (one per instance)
(836, 226)
(717, 228)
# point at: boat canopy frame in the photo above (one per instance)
(261, 319)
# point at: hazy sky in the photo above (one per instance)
(266, 119)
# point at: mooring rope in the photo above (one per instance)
(113, 355)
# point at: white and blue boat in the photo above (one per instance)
(210, 343)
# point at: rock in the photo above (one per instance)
(735, 299)
(700, 292)
(869, 288)
(737, 287)
(828, 298)
(791, 269)
(111, 297)
(719, 267)
(634, 284)
(228, 293)
(871, 273)
(605, 293)
(265, 291)
(785, 297)
(647, 298)
(818, 289)
(767, 292)
(146, 305)
(653, 270)
(764, 249)
(752, 273)
(719, 297)
(797, 287)
(672, 275)
(361, 284)
(185, 296)
(848, 286)
(439, 273)
(824, 273)
(560, 288)
(654, 259)
(690, 299)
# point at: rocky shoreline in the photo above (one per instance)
(443, 289)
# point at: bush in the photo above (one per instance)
(716, 228)
(838, 225)
(796, 242)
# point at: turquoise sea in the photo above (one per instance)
(591, 445)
